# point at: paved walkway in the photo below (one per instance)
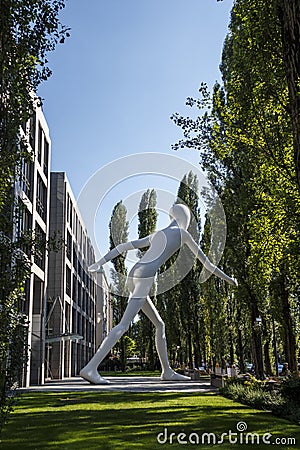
(124, 384)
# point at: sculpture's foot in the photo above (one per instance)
(170, 375)
(92, 377)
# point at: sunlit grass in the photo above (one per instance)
(140, 373)
(112, 421)
(132, 373)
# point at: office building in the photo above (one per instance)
(68, 309)
(33, 194)
(77, 313)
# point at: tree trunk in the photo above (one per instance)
(257, 347)
(197, 351)
(190, 350)
(239, 344)
(266, 333)
(268, 364)
(123, 354)
(151, 346)
(257, 353)
(289, 340)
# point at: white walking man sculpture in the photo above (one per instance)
(162, 245)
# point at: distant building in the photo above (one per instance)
(77, 311)
(68, 309)
(32, 192)
(104, 309)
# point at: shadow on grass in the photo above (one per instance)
(112, 421)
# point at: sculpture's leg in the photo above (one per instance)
(90, 372)
(161, 342)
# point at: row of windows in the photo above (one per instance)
(82, 326)
(40, 247)
(71, 253)
(23, 228)
(26, 178)
(79, 295)
(26, 184)
(41, 198)
(76, 227)
(43, 144)
(42, 148)
(24, 235)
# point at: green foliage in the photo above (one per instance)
(245, 133)
(147, 216)
(256, 397)
(15, 267)
(123, 420)
(28, 31)
(130, 346)
(118, 228)
(147, 213)
(254, 384)
(283, 401)
(290, 389)
(180, 306)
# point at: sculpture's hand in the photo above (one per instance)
(233, 282)
(95, 267)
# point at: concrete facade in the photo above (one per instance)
(78, 312)
(68, 309)
(32, 192)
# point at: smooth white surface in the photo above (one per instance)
(140, 280)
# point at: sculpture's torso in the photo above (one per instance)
(163, 245)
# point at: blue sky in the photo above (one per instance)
(126, 68)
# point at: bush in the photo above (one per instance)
(290, 389)
(257, 397)
(284, 403)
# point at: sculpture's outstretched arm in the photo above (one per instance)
(189, 241)
(118, 250)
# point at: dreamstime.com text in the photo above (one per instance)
(238, 437)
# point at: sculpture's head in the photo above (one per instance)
(181, 214)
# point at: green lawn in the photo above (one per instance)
(112, 421)
(132, 373)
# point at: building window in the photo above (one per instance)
(74, 322)
(38, 295)
(68, 207)
(32, 130)
(79, 294)
(69, 246)
(75, 259)
(68, 281)
(71, 216)
(40, 247)
(83, 300)
(79, 327)
(46, 157)
(26, 178)
(24, 229)
(79, 270)
(69, 211)
(74, 289)
(41, 198)
(40, 144)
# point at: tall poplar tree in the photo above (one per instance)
(118, 228)
(147, 224)
(189, 287)
(247, 145)
(180, 306)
